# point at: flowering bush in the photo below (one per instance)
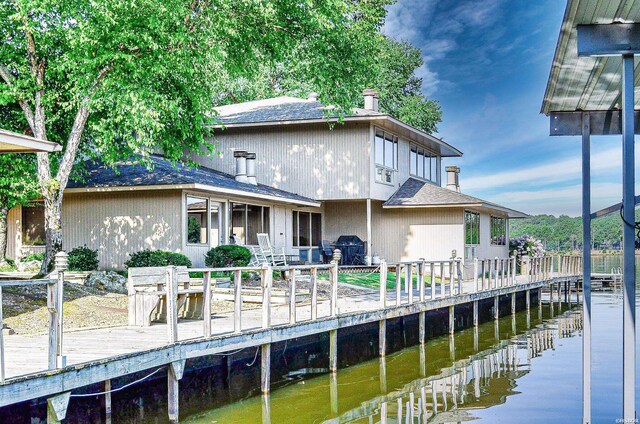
(525, 245)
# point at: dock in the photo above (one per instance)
(56, 365)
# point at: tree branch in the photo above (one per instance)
(28, 113)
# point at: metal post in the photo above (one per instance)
(628, 237)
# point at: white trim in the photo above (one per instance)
(25, 144)
(194, 186)
(446, 205)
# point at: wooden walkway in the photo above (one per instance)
(97, 355)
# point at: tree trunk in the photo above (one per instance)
(4, 227)
(53, 229)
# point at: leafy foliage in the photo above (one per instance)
(148, 257)
(193, 230)
(525, 246)
(565, 233)
(83, 259)
(34, 257)
(227, 255)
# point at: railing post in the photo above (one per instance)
(383, 284)
(292, 295)
(55, 304)
(314, 293)
(443, 284)
(398, 284)
(514, 265)
(334, 289)
(484, 274)
(237, 301)
(489, 275)
(452, 290)
(420, 271)
(266, 277)
(432, 269)
(206, 304)
(459, 274)
(172, 312)
(408, 284)
(475, 274)
(1, 341)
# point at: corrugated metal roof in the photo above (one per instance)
(417, 193)
(588, 83)
(133, 173)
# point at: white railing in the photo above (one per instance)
(414, 281)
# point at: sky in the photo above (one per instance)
(487, 63)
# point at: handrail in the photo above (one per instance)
(13, 283)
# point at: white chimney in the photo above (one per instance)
(241, 165)
(312, 97)
(370, 99)
(251, 169)
(453, 178)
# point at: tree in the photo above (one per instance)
(18, 185)
(392, 73)
(115, 77)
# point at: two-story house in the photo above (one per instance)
(287, 167)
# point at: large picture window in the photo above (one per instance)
(471, 227)
(307, 229)
(197, 220)
(247, 221)
(423, 163)
(498, 231)
(386, 155)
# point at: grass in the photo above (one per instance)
(373, 280)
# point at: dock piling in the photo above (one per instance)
(496, 307)
(475, 313)
(176, 371)
(333, 351)
(265, 368)
(452, 319)
(421, 327)
(57, 408)
(382, 338)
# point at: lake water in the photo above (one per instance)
(526, 369)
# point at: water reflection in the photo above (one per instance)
(444, 380)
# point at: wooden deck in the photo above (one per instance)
(97, 355)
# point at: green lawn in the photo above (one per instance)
(373, 280)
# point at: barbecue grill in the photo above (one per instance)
(352, 249)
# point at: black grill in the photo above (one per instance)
(352, 249)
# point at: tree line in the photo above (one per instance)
(113, 78)
(565, 233)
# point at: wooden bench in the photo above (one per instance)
(147, 289)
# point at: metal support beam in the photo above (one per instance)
(586, 276)
(607, 122)
(628, 238)
(608, 39)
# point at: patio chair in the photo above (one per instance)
(326, 251)
(277, 257)
(257, 257)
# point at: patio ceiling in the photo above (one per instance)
(11, 142)
(589, 83)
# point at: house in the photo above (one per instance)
(288, 167)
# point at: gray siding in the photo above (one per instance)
(310, 160)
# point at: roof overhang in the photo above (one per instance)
(434, 143)
(11, 142)
(195, 186)
(591, 81)
(481, 206)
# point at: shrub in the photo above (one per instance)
(83, 259)
(33, 257)
(7, 265)
(227, 255)
(157, 258)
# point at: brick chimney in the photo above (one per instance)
(453, 178)
(370, 99)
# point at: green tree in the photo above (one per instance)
(18, 185)
(117, 77)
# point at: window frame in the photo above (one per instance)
(295, 233)
(265, 220)
(468, 242)
(186, 221)
(430, 163)
(384, 168)
(492, 219)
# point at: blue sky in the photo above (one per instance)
(487, 63)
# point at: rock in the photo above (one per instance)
(108, 281)
(28, 266)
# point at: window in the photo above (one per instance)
(386, 155)
(216, 220)
(197, 222)
(498, 231)
(472, 227)
(307, 229)
(33, 233)
(424, 164)
(247, 221)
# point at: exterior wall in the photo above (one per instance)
(118, 223)
(382, 191)
(485, 248)
(14, 232)
(311, 160)
(398, 234)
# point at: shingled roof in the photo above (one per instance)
(415, 193)
(283, 108)
(134, 173)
